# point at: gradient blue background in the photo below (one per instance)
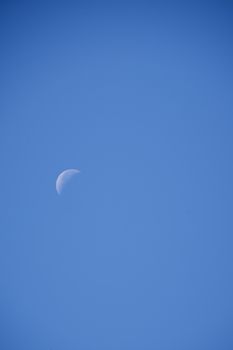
(137, 251)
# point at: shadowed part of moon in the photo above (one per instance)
(64, 177)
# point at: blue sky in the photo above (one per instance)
(137, 251)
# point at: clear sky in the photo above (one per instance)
(136, 253)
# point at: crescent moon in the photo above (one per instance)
(64, 177)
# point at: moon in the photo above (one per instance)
(64, 177)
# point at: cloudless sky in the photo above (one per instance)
(136, 254)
